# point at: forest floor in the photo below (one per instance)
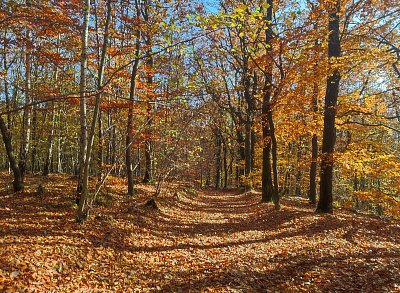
(205, 241)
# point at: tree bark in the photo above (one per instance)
(241, 157)
(82, 101)
(312, 193)
(83, 143)
(34, 140)
(149, 120)
(275, 195)
(225, 159)
(82, 212)
(129, 128)
(49, 153)
(26, 124)
(267, 187)
(18, 183)
(218, 158)
(329, 133)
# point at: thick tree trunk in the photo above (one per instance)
(266, 181)
(329, 133)
(267, 187)
(18, 183)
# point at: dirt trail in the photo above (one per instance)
(205, 242)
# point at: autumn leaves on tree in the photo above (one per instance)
(228, 94)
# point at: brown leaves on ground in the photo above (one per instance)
(209, 242)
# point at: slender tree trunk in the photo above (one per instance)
(242, 157)
(253, 149)
(329, 133)
(33, 140)
(82, 175)
(218, 158)
(149, 120)
(275, 195)
(298, 171)
(99, 89)
(225, 159)
(82, 102)
(26, 124)
(5, 80)
(147, 148)
(312, 193)
(82, 212)
(247, 144)
(59, 160)
(49, 153)
(129, 129)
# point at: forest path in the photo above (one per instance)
(228, 240)
(210, 241)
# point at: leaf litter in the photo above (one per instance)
(209, 241)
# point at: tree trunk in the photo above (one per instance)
(242, 158)
(34, 140)
(312, 193)
(100, 153)
(82, 175)
(82, 212)
(49, 153)
(267, 187)
(248, 159)
(275, 196)
(26, 124)
(266, 179)
(129, 128)
(82, 101)
(329, 133)
(99, 89)
(149, 119)
(225, 159)
(18, 183)
(218, 158)
(298, 173)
